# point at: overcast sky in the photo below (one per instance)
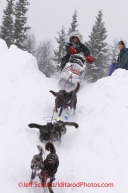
(47, 16)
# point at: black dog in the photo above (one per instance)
(52, 132)
(47, 168)
(65, 99)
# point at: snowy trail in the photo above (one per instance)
(95, 152)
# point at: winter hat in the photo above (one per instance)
(121, 42)
(114, 59)
(75, 34)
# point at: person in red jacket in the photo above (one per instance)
(75, 41)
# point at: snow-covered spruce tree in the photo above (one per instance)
(44, 58)
(7, 28)
(61, 41)
(74, 23)
(31, 43)
(21, 29)
(114, 49)
(98, 49)
(112, 53)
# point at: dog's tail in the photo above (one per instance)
(71, 124)
(40, 149)
(77, 87)
(33, 125)
(50, 147)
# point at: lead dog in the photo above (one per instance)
(47, 168)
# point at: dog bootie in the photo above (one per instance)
(52, 178)
(66, 117)
(33, 175)
(58, 119)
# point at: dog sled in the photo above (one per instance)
(74, 70)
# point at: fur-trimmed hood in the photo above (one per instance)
(76, 34)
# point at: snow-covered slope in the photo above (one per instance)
(95, 152)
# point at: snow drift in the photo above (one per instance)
(95, 152)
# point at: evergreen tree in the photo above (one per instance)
(114, 49)
(31, 43)
(73, 23)
(44, 58)
(61, 40)
(20, 23)
(97, 46)
(7, 28)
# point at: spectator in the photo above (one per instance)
(123, 56)
(113, 67)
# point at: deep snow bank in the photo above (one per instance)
(23, 95)
(96, 152)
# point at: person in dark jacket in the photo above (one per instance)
(75, 41)
(113, 67)
(123, 56)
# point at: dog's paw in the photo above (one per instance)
(31, 125)
(76, 126)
